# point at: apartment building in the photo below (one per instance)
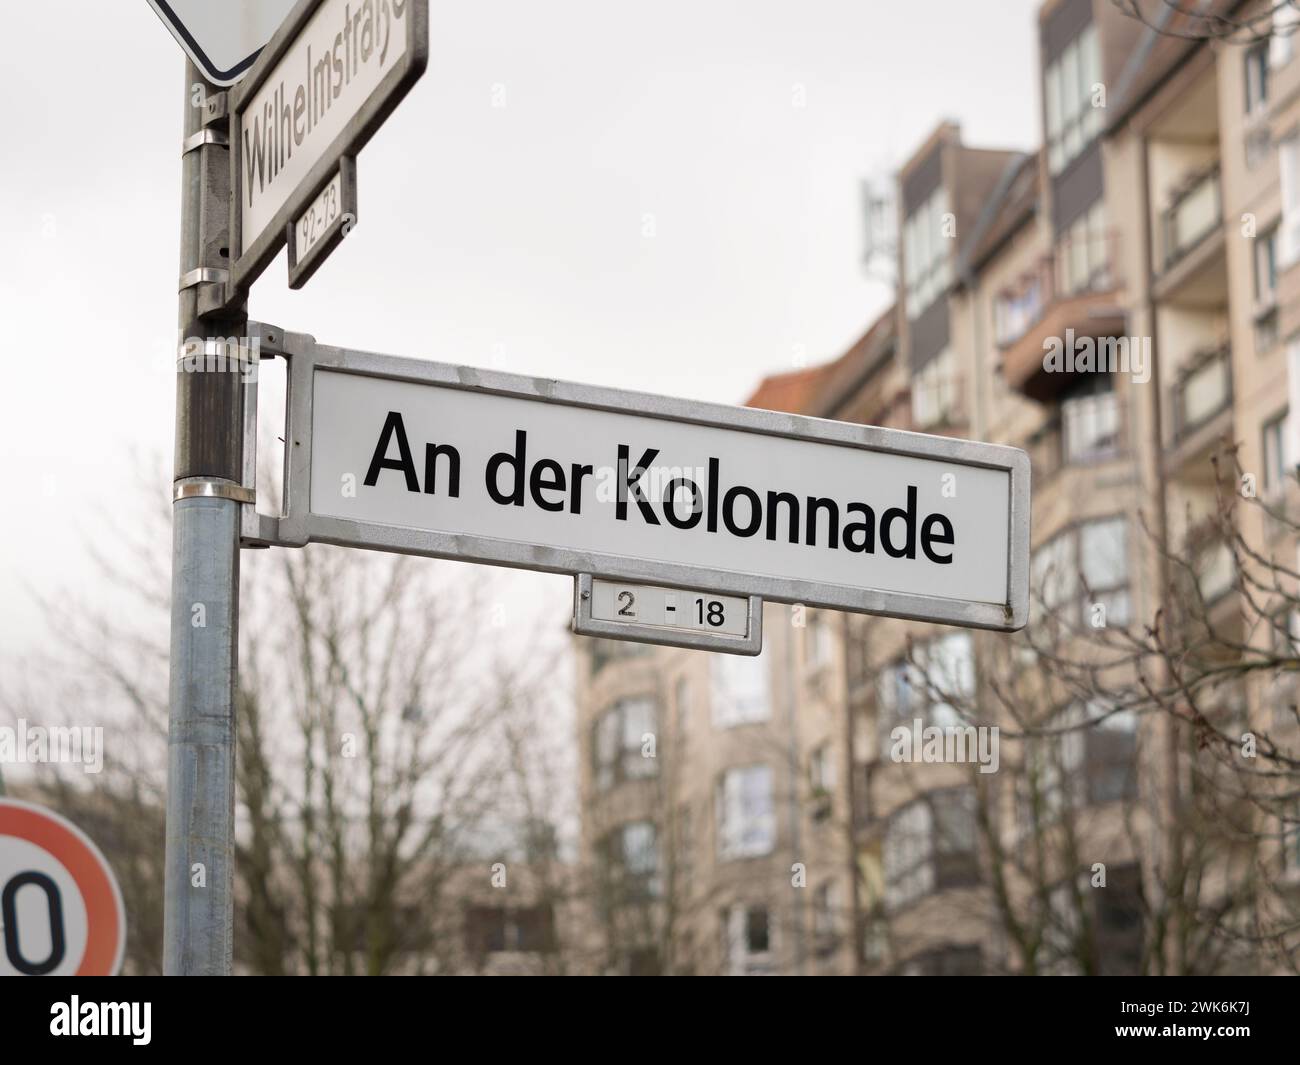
(1122, 304)
(714, 791)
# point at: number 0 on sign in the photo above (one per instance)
(60, 906)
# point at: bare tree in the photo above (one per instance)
(373, 742)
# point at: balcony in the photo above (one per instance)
(1195, 213)
(1205, 589)
(1069, 294)
(1202, 412)
(1192, 265)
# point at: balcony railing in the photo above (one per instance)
(1196, 211)
(1204, 391)
(1066, 292)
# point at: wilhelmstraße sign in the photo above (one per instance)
(322, 86)
(435, 459)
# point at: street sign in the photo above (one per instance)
(60, 906)
(323, 224)
(676, 617)
(324, 84)
(449, 461)
(223, 39)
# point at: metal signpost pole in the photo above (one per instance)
(198, 910)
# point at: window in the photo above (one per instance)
(1266, 290)
(606, 651)
(1291, 841)
(819, 643)
(494, 929)
(1082, 567)
(1090, 420)
(685, 852)
(1266, 268)
(821, 781)
(746, 813)
(1083, 253)
(945, 961)
(1286, 19)
(826, 923)
(747, 940)
(1288, 162)
(617, 742)
(907, 689)
(631, 861)
(682, 704)
(909, 872)
(1277, 460)
(1256, 78)
(926, 245)
(1216, 571)
(740, 690)
(1072, 120)
(1017, 309)
(930, 846)
(1095, 930)
(1088, 757)
(935, 392)
(821, 770)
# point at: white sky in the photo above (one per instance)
(507, 236)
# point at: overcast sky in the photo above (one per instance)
(652, 208)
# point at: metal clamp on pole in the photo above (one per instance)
(218, 355)
(204, 275)
(205, 136)
(198, 488)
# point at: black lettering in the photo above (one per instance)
(692, 519)
(516, 462)
(555, 484)
(575, 487)
(945, 539)
(393, 427)
(714, 475)
(431, 455)
(860, 536)
(9, 918)
(755, 511)
(631, 481)
(832, 521)
(792, 511)
(908, 550)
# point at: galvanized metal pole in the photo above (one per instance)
(198, 902)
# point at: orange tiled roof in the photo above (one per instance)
(789, 392)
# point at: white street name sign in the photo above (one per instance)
(321, 88)
(435, 459)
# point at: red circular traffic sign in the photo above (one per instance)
(61, 911)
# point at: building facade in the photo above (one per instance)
(1121, 304)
